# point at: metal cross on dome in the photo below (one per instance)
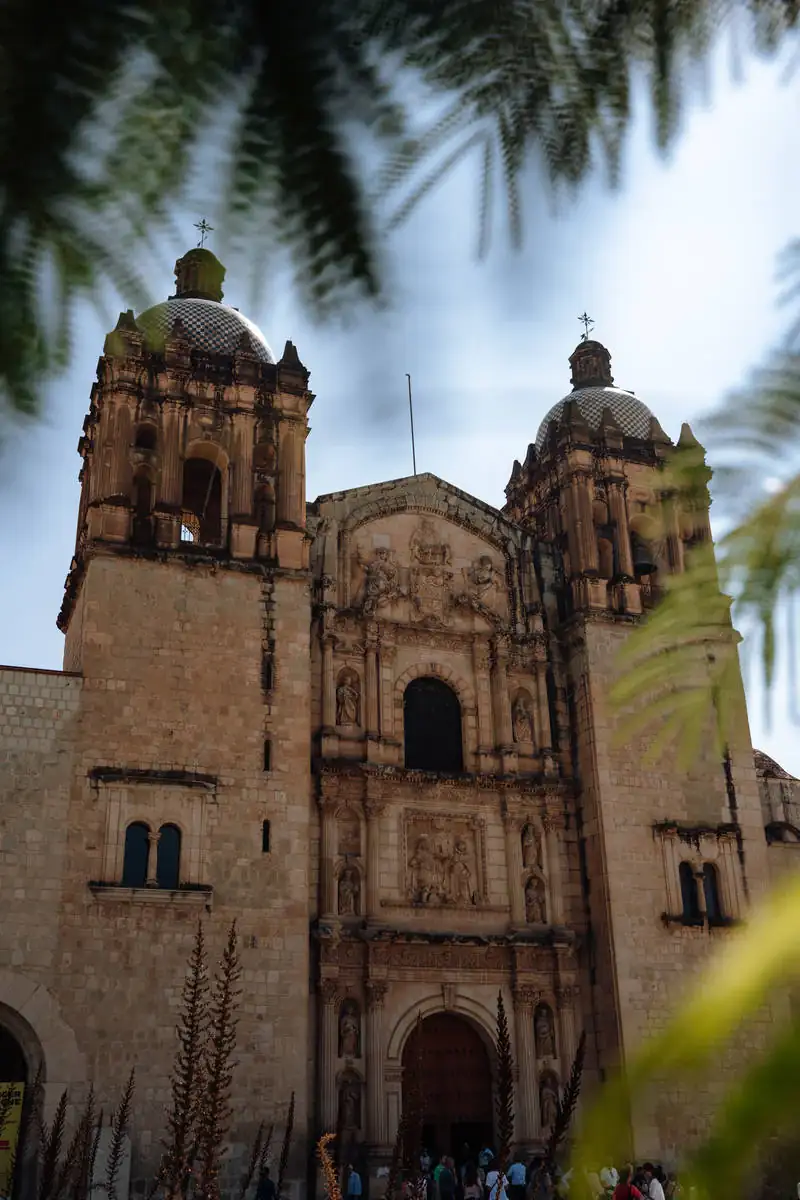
(588, 324)
(204, 228)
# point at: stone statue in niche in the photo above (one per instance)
(348, 698)
(423, 871)
(350, 1030)
(535, 907)
(349, 892)
(460, 878)
(548, 1101)
(543, 1029)
(382, 582)
(531, 848)
(522, 718)
(350, 1104)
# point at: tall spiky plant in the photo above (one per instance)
(329, 1175)
(285, 1148)
(50, 1150)
(258, 1160)
(73, 1177)
(120, 1120)
(187, 1074)
(218, 1066)
(567, 1106)
(504, 1102)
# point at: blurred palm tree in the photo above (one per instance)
(113, 106)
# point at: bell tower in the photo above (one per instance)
(187, 615)
(594, 488)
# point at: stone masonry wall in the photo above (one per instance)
(651, 966)
(171, 655)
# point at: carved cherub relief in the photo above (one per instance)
(381, 579)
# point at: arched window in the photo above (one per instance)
(711, 893)
(689, 896)
(146, 437)
(432, 723)
(168, 859)
(134, 861)
(202, 501)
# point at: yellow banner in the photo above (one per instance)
(9, 1134)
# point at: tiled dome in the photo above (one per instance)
(213, 327)
(632, 416)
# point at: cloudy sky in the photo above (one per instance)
(677, 269)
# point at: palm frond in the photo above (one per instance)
(120, 1121)
(567, 1107)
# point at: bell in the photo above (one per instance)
(642, 556)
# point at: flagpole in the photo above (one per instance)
(411, 415)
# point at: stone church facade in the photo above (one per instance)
(373, 729)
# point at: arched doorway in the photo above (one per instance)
(456, 1084)
(14, 1076)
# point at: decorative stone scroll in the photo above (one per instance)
(445, 860)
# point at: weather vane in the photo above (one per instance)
(204, 228)
(588, 324)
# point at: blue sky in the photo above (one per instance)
(677, 269)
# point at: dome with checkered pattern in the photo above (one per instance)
(593, 391)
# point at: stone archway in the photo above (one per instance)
(456, 1084)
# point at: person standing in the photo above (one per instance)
(266, 1186)
(625, 1189)
(496, 1183)
(516, 1179)
(446, 1179)
(652, 1183)
(353, 1183)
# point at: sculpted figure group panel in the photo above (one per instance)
(427, 571)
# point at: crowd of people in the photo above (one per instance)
(480, 1177)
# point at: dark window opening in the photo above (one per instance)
(202, 501)
(267, 673)
(142, 505)
(134, 861)
(690, 899)
(432, 722)
(146, 438)
(711, 893)
(267, 755)
(169, 857)
(265, 837)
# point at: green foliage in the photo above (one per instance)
(137, 105)
(504, 1101)
(567, 1108)
(757, 963)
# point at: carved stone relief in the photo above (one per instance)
(350, 1101)
(544, 1030)
(350, 1029)
(531, 848)
(348, 698)
(522, 718)
(535, 901)
(444, 860)
(381, 579)
(348, 833)
(349, 892)
(548, 1099)
(429, 577)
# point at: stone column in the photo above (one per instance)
(327, 816)
(546, 732)
(376, 1098)
(371, 682)
(501, 701)
(171, 474)
(373, 810)
(586, 540)
(553, 843)
(565, 999)
(290, 500)
(328, 684)
(514, 860)
(619, 516)
(242, 490)
(152, 860)
(329, 1031)
(528, 1087)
